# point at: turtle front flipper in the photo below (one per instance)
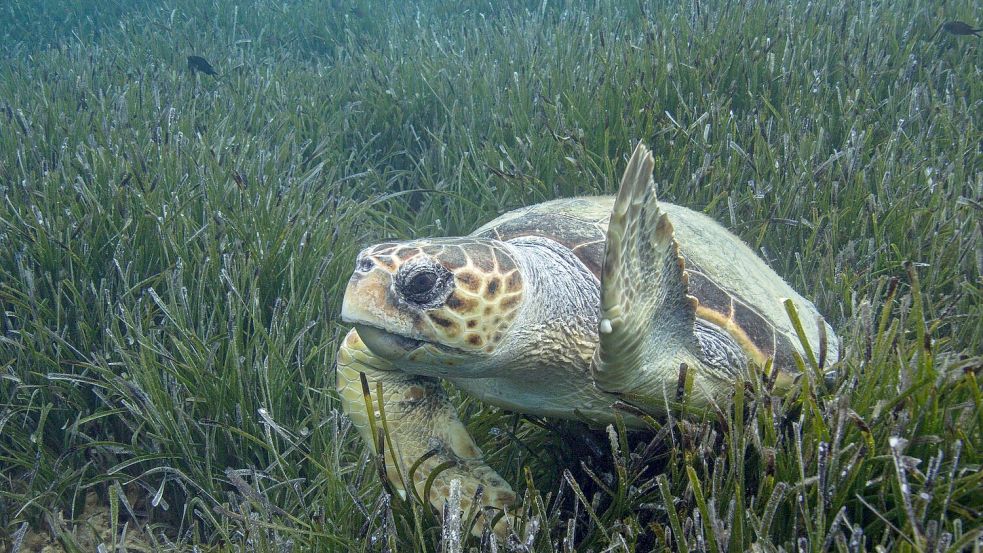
(421, 422)
(646, 328)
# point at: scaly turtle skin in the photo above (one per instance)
(559, 309)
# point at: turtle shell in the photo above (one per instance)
(735, 288)
(580, 224)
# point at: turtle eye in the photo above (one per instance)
(364, 264)
(423, 283)
(419, 287)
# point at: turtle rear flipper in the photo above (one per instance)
(647, 318)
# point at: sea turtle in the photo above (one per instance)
(559, 309)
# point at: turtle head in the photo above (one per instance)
(437, 307)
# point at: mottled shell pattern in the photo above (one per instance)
(580, 224)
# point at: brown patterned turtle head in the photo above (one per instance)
(437, 302)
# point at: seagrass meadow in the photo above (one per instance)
(174, 247)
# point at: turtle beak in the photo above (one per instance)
(388, 346)
(368, 305)
(366, 296)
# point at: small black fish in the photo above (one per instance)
(958, 28)
(198, 63)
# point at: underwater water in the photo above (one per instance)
(185, 186)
